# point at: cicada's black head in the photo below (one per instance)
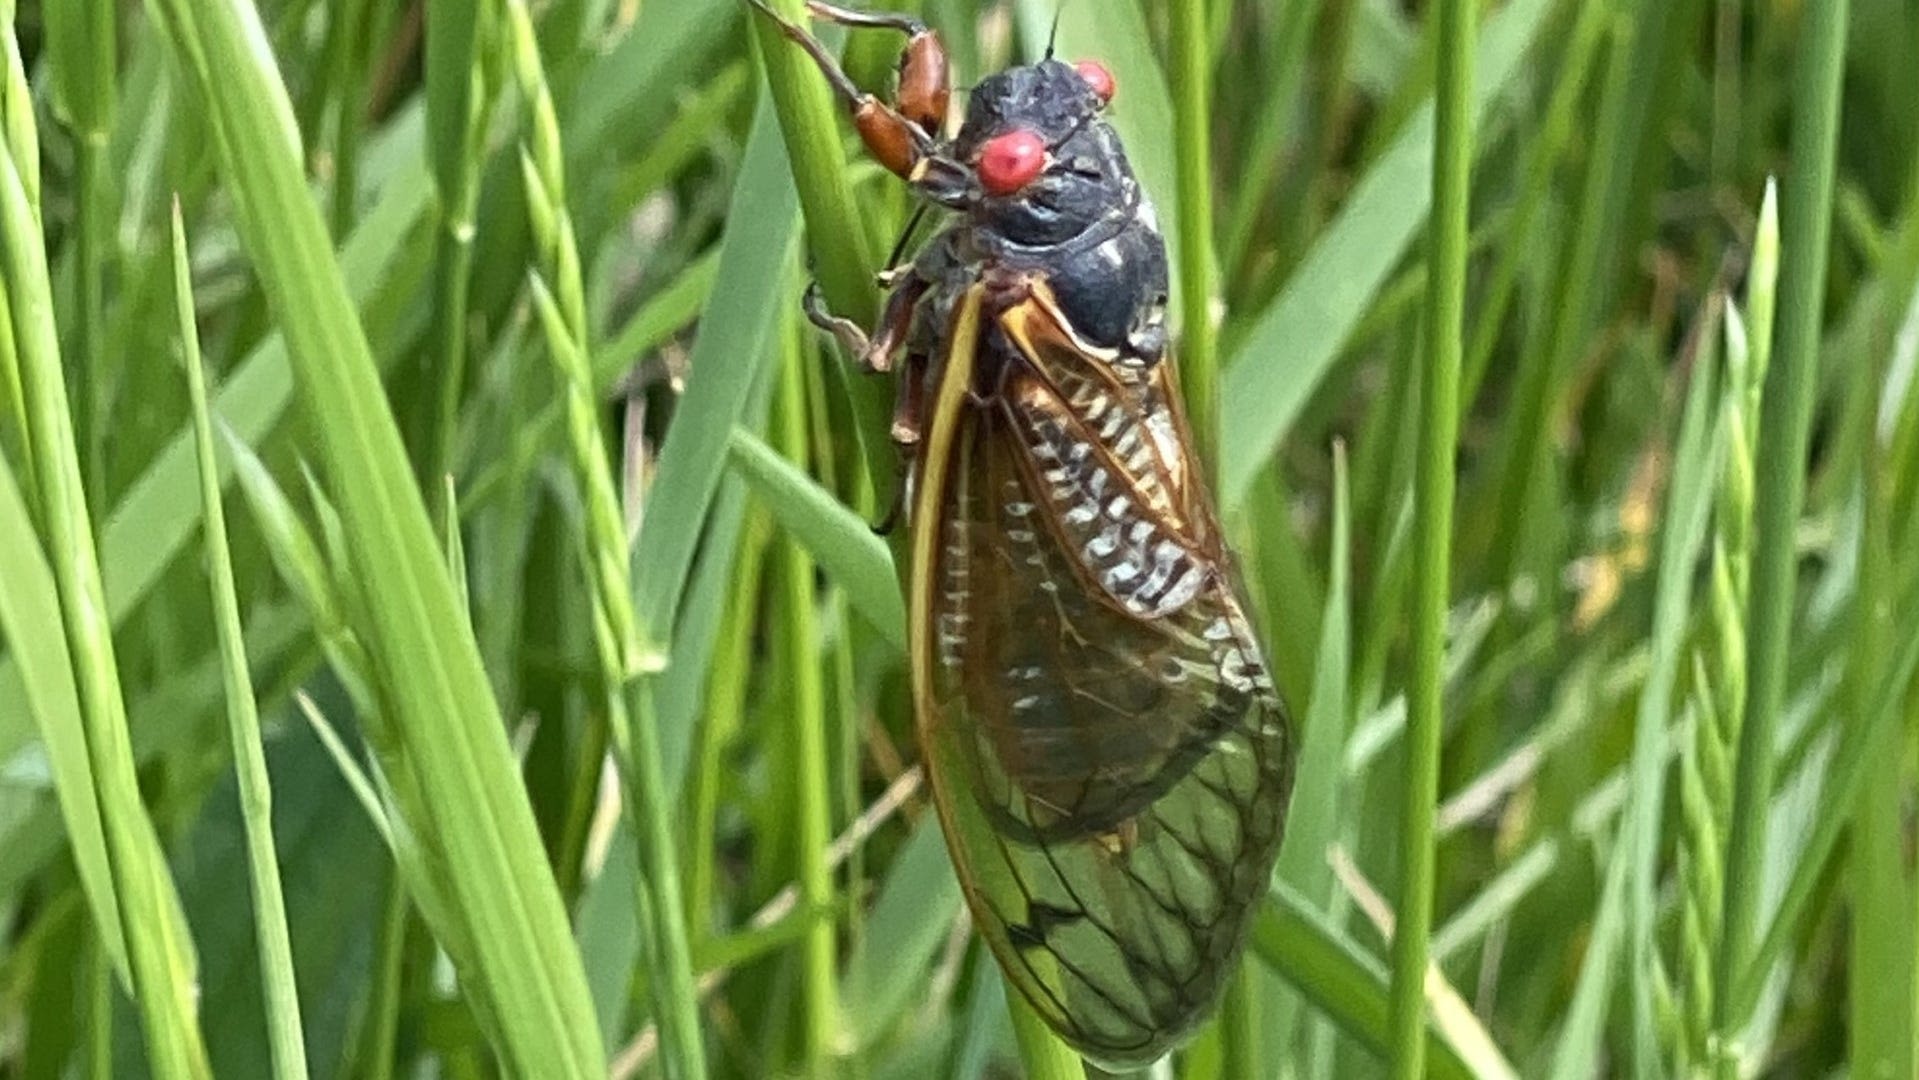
(1049, 166)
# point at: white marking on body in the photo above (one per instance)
(1163, 568)
(1233, 669)
(1103, 545)
(1184, 589)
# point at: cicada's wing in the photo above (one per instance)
(1109, 758)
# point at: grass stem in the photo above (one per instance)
(284, 1035)
(1192, 76)
(1791, 391)
(1433, 516)
(807, 714)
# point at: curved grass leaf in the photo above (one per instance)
(728, 357)
(845, 545)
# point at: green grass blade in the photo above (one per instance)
(836, 233)
(844, 544)
(249, 757)
(1688, 509)
(729, 356)
(159, 950)
(806, 713)
(1040, 1051)
(1294, 343)
(1579, 1054)
(1785, 430)
(1339, 979)
(478, 820)
(1434, 482)
(29, 603)
(1319, 793)
(81, 42)
(156, 517)
(1199, 337)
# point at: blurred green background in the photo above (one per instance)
(518, 536)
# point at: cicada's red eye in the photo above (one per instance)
(1099, 78)
(1011, 161)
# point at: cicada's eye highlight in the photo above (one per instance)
(1099, 78)
(1009, 162)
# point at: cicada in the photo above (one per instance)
(1108, 754)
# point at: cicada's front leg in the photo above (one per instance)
(872, 352)
(901, 137)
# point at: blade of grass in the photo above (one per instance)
(1688, 509)
(1578, 1052)
(728, 357)
(456, 105)
(156, 517)
(1542, 157)
(1340, 979)
(1294, 342)
(284, 1034)
(847, 549)
(628, 701)
(477, 818)
(1434, 482)
(158, 946)
(1318, 797)
(837, 239)
(807, 715)
(1845, 781)
(1192, 132)
(1518, 461)
(29, 603)
(836, 234)
(80, 50)
(911, 916)
(1040, 1051)
(1785, 430)
(1253, 187)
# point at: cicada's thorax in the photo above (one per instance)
(1085, 228)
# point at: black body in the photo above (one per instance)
(1085, 226)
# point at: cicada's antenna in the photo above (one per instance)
(1052, 36)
